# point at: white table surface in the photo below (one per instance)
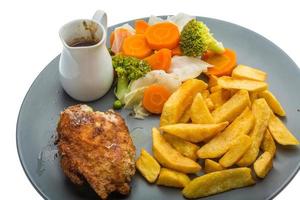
(29, 41)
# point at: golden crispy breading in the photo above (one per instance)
(96, 147)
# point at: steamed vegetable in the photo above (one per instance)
(170, 81)
(223, 64)
(185, 67)
(196, 39)
(154, 20)
(117, 104)
(140, 26)
(118, 36)
(155, 97)
(139, 112)
(134, 97)
(176, 51)
(127, 69)
(181, 19)
(162, 35)
(160, 60)
(136, 46)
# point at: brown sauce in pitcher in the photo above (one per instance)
(83, 43)
(86, 41)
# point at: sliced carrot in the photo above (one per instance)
(155, 97)
(207, 55)
(163, 35)
(121, 32)
(117, 38)
(223, 64)
(136, 46)
(112, 38)
(160, 60)
(140, 26)
(177, 51)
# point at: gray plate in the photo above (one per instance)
(46, 99)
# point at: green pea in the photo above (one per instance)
(117, 104)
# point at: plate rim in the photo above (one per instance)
(21, 159)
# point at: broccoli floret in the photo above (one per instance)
(127, 69)
(196, 39)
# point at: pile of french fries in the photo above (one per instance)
(230, 123)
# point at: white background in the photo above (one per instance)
(29, 41)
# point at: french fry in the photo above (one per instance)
(268, 143)
(194, 132)
(280, 132)
(205, 93)
(148, 166)
(220, 144)
(220, 97)
(232, 92)
(263, 164)
(186, 116)
(272, 102)
(253, 96)
(180, 100)
(227, 82)
(210, 104)
(168, 157)
(217, 182)
(206, 140)
(170, 178)
(212, 81)
(186, 148)
(211, 166)
(262, 113)
(245, 72)
(232, 108)
(215, 88)
(240, 145)
(199, 111)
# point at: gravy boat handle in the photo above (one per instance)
(101, 17)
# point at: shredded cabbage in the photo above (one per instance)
(137, 87)
(154, 20)
(134, 97)
(139, 112)
(181, 19)
(170, 81)
(185, 67)
(120, 37)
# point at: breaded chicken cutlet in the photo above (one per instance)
(96, 147)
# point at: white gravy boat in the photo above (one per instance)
(86, 71)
